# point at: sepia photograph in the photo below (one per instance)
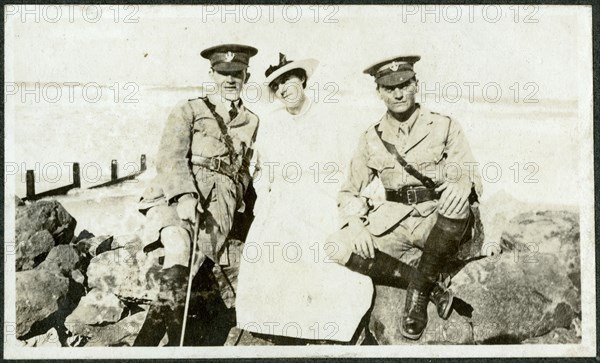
(230, 181)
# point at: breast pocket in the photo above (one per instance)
(207, 126)
(388, 170)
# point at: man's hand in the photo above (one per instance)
(455, 197)
(362, 243)
(186, 207)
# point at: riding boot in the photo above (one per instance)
(441, 244)
(174, 280)
(161, 315)
(389, 271)
(154, 327)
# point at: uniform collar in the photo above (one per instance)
(394, 126)
(420, 126)
(223, 108)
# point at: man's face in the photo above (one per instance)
(398, 98)
(288, 89)
(229, 83)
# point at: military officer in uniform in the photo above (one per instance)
(202, 175)
(425, 164)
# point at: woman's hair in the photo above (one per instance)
(297, 72)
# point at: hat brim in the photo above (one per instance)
(308, 65)
(395, 78)
(229, 66)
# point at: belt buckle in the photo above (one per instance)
(411, 196)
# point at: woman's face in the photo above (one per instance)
(288, 89)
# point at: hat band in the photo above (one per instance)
(229, 57)
(386, 71)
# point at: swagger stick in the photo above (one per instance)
(189, 284)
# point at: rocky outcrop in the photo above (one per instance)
(39, 295)
(97, 307)
(35, 224)
(95, 290)
(125, 270)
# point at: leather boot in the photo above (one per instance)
(441, 244)
(166, 314)
(442, 298)
(389, 271)
(414, 319)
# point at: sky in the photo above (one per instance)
(462, 44)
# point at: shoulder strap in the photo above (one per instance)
(427, 181)
(226, 137)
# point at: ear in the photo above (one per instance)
(211, 73)
(378, 90)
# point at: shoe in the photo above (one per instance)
(442, 298)
(414, 319)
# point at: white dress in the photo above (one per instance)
(286, 284)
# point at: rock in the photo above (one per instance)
(39, 294)
(121, 333)
(49, 215)
(32, 251)
(62, 258)
(49, 339)
(94, 246)
(85, 234)
(35, 224)
(96, 307)
(128, 272)
(546, 232)
(556, 336)
(513, 301)
(78, 277)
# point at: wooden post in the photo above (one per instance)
(114, 175)
(30, 182)
(76, 176)
(143, 162)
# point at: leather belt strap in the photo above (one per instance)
(411, 195)
(217, 164)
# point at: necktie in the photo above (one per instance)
(233, 112)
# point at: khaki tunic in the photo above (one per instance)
(434, 144)
(192, 130)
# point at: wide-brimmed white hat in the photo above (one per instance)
(308, 65)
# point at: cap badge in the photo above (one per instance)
(394, 66)
(229, 56)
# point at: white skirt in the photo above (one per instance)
(287, 286)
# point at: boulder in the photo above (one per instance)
(97, 307)
(546, 232)
(121, 333)
(31, 221)
(127, 272)
(93, 246)
(31, 252)
(63, 259)
(39, 294)
(49, 339)
(49, 215)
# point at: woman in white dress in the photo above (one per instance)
(287, 286)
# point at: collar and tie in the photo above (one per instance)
(233, 111)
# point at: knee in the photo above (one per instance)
(176, 242)
(338, 248)
(462, 214)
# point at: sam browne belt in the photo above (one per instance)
(411, 195)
